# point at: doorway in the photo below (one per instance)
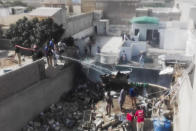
(149, 35)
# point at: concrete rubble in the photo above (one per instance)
(69, 112)
(83, 108)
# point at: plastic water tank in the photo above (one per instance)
(162, 124)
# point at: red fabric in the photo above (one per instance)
(140, 116)
(24, 48)
(130, 117)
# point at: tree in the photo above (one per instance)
(27, 32)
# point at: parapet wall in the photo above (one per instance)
(21, 78)
(28, 95)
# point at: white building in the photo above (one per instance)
(173, 35)
(145, 26)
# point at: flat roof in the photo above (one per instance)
(112, 45)
(44, 11)
(11, 19)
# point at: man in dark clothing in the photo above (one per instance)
(90, 47)
(18, 53)
(49, 54)
(37, 53)
(109, 102)
(132, 94)
(85, 51)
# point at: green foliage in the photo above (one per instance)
(27, 32)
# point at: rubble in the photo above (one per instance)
(83, 108)
(69, 112)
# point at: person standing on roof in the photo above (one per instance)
(48, 53)
(121, 98)
(51, 44)
(18, 53)
(55, 54)
(139, 114)
(109, 104)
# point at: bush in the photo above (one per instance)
(28, 32)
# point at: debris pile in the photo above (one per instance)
(70, 112)
(83, 108)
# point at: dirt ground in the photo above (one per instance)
(7, 62)
(127, 105)
(100, 108)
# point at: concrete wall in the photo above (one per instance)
(167, 16)
(173, 39)
(78, 23)
(59, 17)
(184, 98)
(23, 106)
(164, 14)
(21, 78)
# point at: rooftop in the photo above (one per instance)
(54, 2)
(11, 19)
(44, 11)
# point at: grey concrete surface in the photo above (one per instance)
(18, 109)
(21, 78)
(78, 23)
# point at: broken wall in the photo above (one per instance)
(185, 112)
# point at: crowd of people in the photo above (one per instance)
(137, 114)
(52, 51)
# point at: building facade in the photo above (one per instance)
(117, 11)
